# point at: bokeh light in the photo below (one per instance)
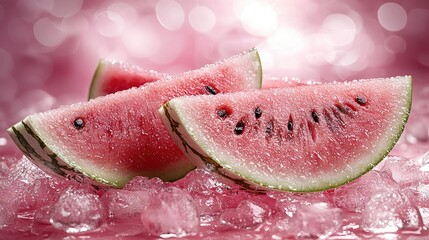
(48, 32)
(202, 19)
(259, 18)
(392, 16)
(170, 14)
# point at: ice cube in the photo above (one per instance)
(203, 182)
(403, 170)
(22, 171)
(288, 203)
(389, 211)
(140, 183)
(78, 210)
(123, 204)
(204, 189)
(208, 204)
(172, 212)
(418, 194)
(210, 194)
(355, 195)
(22, 191)
(423, 162)
(247, 214)
(318, 220)
(41, 193)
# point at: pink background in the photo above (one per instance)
(49, 49)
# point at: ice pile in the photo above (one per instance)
(392, 199)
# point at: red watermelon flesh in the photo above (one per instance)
(306, 138)
(113, 138)
(112, 76)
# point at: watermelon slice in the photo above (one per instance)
(113, 138)
(112, 76)
(306, 138)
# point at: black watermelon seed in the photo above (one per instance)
(258, 112)
(290, 125)
(239, 128)
(78, 123)
(222, 113)
(315, 116)
(211, 90)
(361, 100)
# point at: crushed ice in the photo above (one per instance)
(394, 198)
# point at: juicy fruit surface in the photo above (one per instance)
(113, 76)
(114, 138)
(305, 138)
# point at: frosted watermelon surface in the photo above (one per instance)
(306, 138)
(111, 139)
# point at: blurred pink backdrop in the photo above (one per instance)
(49, 48)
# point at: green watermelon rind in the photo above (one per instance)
(95, 82)
(201, 156)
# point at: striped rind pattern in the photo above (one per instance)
(39, 153)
